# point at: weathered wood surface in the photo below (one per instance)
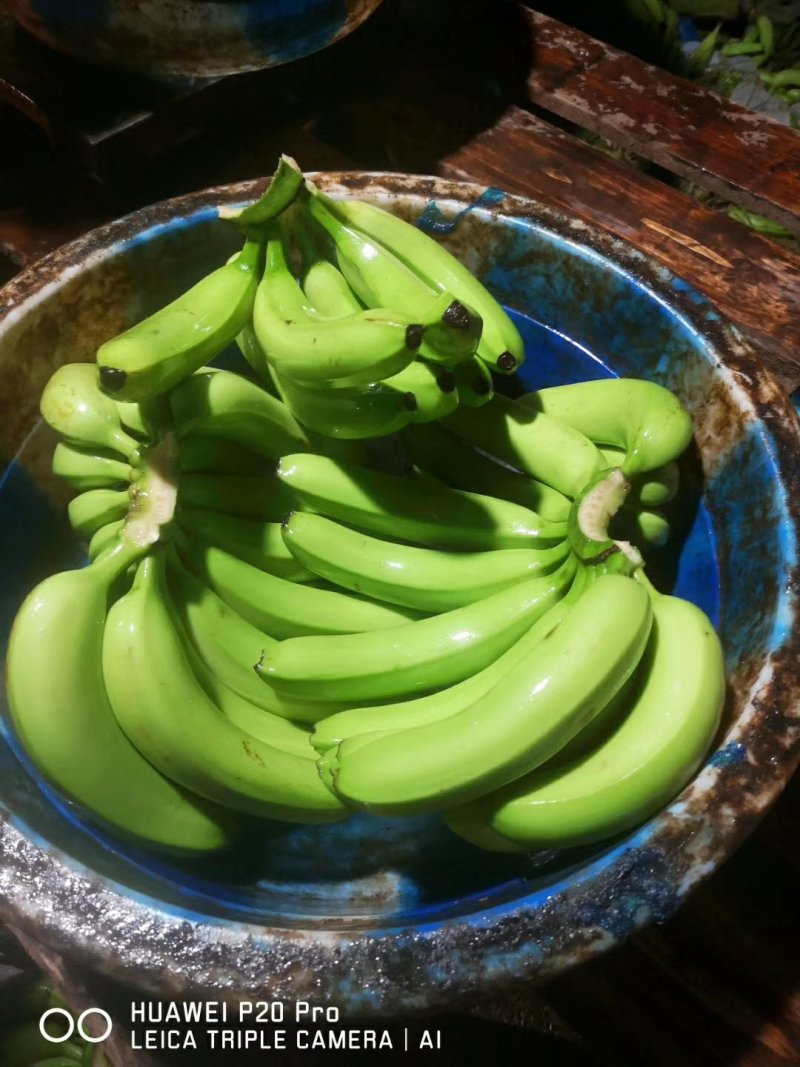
(751, 279)
(685, 127)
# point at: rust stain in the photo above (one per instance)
(682, 239)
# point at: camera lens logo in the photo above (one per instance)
(70, 1025)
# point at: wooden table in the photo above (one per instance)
(496, 93)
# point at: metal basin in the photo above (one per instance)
(390, 916)
(189, 38)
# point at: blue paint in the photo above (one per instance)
(170, 230)
(729, 756)
(434, 222)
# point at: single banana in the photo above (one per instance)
(327, 291)
(671, 719)
(247, 343)
(104, 538)
(348, 414)
(222, 404)
(370, 344)
(406, 714)
(433, 386)
(456, 463)
(74, 406)
(641, 417)
(413, 508)
(228, 647)
(144, 420)
(287, 609)
(260, 544)
(379, 279)
(62, 716)
(83, 469)
(95, 508)
(647, 528)
(160, 351)
(246, 496)
(166, 713)
(417, 657)
(421, 392)
(474, 383)
(426, 578)
(200, 454)
(501, 346)
(533, 711)
(650, 488)
(537, 443)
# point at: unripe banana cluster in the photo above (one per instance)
(280, 624)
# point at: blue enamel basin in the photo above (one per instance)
(389, 916)
(187, 38)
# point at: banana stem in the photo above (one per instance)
(589, 521)
(153, 496)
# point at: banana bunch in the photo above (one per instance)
(281, 619)
(550, 692)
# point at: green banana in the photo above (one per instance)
(228, 647)
(156, 354)
(260, 544)
(327, 291)
(646, 527)
(421, 392)
(379, 279)
(74, 406)
(432, 707)
(413, 508)
(62, 716)
(641, 417)
(409, 660)
(138, 418)
(247, 343)
(104, 538)
(671, 719)
(500, 346)
(217, 403)
(287, 609)
(348, 414)
(532, 712)
(434, 389)
(474, 383)
(453, 461)
(537, 443)
(170, 718)
(651, 488)
(284, 734)
(284, 186)
(83, 469)
(245, 496)
(425, 578)
(95, 508)
(200, 454)
(370, 344)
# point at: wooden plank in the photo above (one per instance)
(752, 280)
(722, 146)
